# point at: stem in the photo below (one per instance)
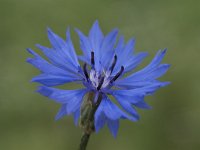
(88, 120)
(84, 141)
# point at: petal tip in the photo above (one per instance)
(164, 51)
(44, 91)
(49, 29)
(29, 50)
(28, 60)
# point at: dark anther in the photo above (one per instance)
(92, 58)
(113, 63)
(100, 83)
(85, 71)
(117, 75)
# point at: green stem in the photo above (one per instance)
(84, 141)
(87, 121)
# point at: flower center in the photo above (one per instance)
(101, 80)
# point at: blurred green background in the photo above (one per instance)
(27, 119)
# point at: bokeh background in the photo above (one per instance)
(27, 118)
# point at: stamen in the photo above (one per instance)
(113, 64)
(100, 83)
(85, 71)
(117, 75)
(92, 58)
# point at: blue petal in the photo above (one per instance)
(62, 112)
(75, 103)
(154, 63)
(125, 54)
(113, 112)
(109, 113)
(143, 105)
(158, 72)
(100, 118)
(107, 59)
(65, 49)
(43, 65)
(96, 37)
(132, 96)
(84, 44)
(128, 49)
(71, 47)
(135, 61)
(147, 90)
(152, 74)
(146, 76)
(53, 80)
(109, 41)
(128, 84)
(107, 48)
(127, 106)
(58, 59)
(69, 97)
(125, 51)
(76, 116)
(157, 59)
(85, 59)
(56, 41)
(120, 45)
(113, 126)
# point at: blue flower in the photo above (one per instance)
(108, 69)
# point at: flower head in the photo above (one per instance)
(105, 64)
